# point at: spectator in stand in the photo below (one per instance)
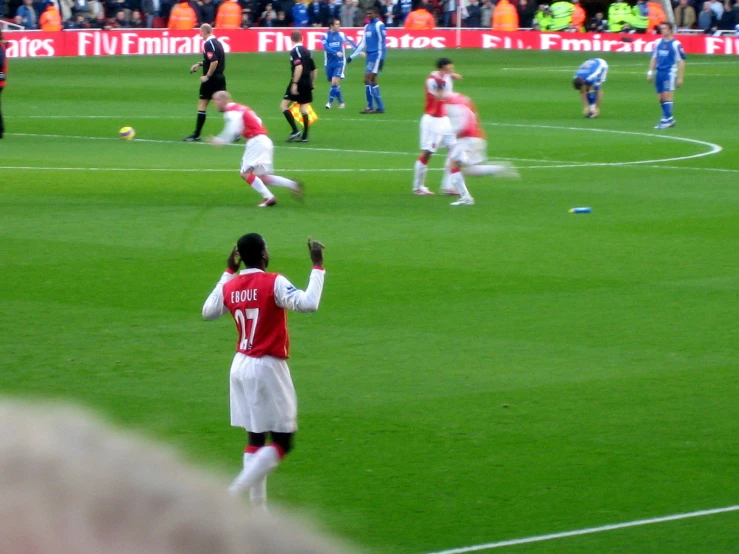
(281, 20)
(112, 7)
(727, 21)
(246, 19)
(65, 9)
(450, 8)
(474, 15)
(619, 15)
(50, 21)
(578, 17)
(79, 22)
(229, 15)
(268, 16)
(542, 18)
(656, 15)
(420, 19)
(684, 15)
(402, 9)
(152, 9)
(526, 10)
(598, 24)
(707, 19)
(206, 12)
(137, 22)
(505, 17)
(486, 14)
(387, 13)
(99, 22)
(348, 13)
(28, 15)
(182, 17)
(718, 8)
(318, 12)
(119, 21)
(300, 14)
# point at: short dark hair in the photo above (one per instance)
(578, 82)
(251, 248)
(296, 36)
(669, 24)
(441, 62)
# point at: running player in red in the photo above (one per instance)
(263, 399)
(435, 128)
(257, 163)
(470, 150)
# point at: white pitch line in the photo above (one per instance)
(588, 531)
(199, 170)
(616, 66)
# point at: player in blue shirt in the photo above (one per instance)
(588, 79)
(334, 52)
(667, 67)
(374, 43)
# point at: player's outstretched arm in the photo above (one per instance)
(287, 296)
(214, 306)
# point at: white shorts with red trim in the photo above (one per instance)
(262, 395)
(259, 155)
(469, 150)
(436, 132)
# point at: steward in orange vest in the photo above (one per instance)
(578, 16)
(419, 20)
(229, 15)
(505, 17)
(182, 17)
(50, 20)
(656, 16)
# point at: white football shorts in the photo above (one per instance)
(436, 132)
(259, 154)
(469, 151)
(262, 395)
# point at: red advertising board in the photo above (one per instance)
(33, 44)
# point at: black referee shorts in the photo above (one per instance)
(215, 83)
(304, 96)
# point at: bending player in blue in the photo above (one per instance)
(667, 67)
(588, 79)
(334, 42)
(374, 43)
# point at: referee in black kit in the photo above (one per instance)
(213, 79)
(300, 89)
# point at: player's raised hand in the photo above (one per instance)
(316, 251)
(234, 260)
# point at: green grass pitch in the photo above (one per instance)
(474, 374)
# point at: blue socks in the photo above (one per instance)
(332, 93)
(368, 95)
(592, 96)
(337, 94)
(378, 98)
(667, 110)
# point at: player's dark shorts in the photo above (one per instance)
(215, 83)
(304, 96)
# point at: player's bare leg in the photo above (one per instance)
(258, 185)
(419, 174)
(296, 187)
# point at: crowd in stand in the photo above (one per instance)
(501, 15)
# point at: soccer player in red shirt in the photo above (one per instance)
(435, 128)
(257, 162)
(469, 152)
(263, 399)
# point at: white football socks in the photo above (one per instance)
(419, 175)
(458, 182)
(260, 187)
(258, 467)
(277, 181)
